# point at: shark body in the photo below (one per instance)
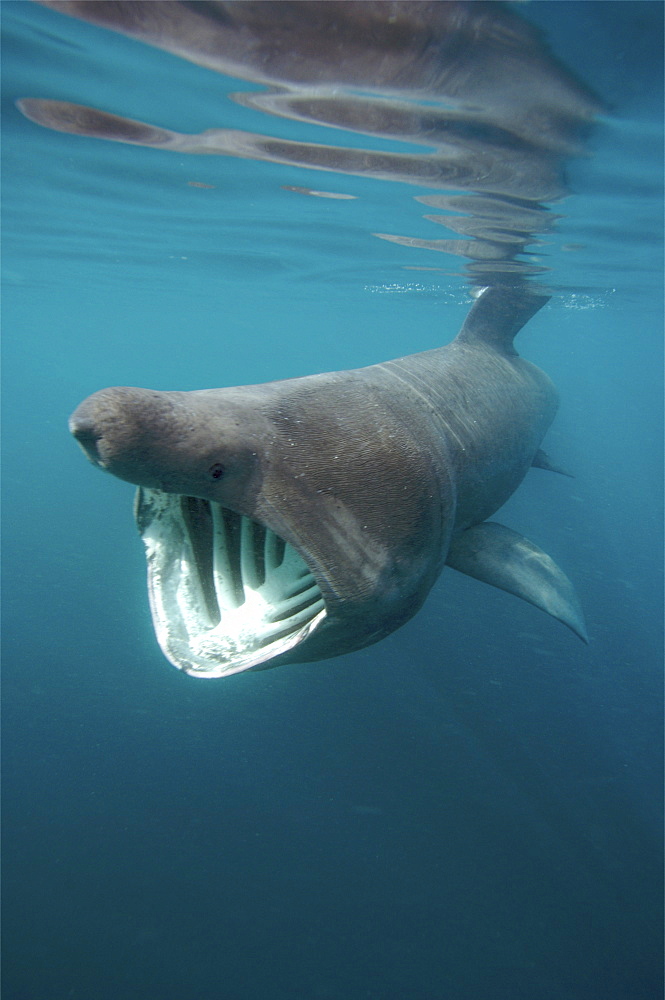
(301, 519)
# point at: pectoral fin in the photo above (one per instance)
(499, 556)
(542, 461)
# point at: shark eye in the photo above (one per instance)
(216, 471)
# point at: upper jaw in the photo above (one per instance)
(226, 593)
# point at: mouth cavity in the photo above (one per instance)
(226, 593)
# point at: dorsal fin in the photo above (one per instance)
(498, 314)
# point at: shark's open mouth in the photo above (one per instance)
(226, 593)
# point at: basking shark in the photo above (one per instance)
(300, 519)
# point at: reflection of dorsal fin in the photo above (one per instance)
(498, 314)
(541, 460)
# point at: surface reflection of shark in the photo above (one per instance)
(471, 83)
(297, 520)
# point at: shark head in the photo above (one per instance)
(284, 522)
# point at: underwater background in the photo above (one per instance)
(473, 807)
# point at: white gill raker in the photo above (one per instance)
(298, 584)
(285, 627)
(197, 589)
(251, 576)
(225, 562)
(273, 552)
(292, 588)
(306, 614)
(297, 608)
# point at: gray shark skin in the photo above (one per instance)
(301, 519)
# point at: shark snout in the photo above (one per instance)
(85, 430)
(107, 424)
(133, 434)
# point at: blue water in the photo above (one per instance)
(470, 810)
